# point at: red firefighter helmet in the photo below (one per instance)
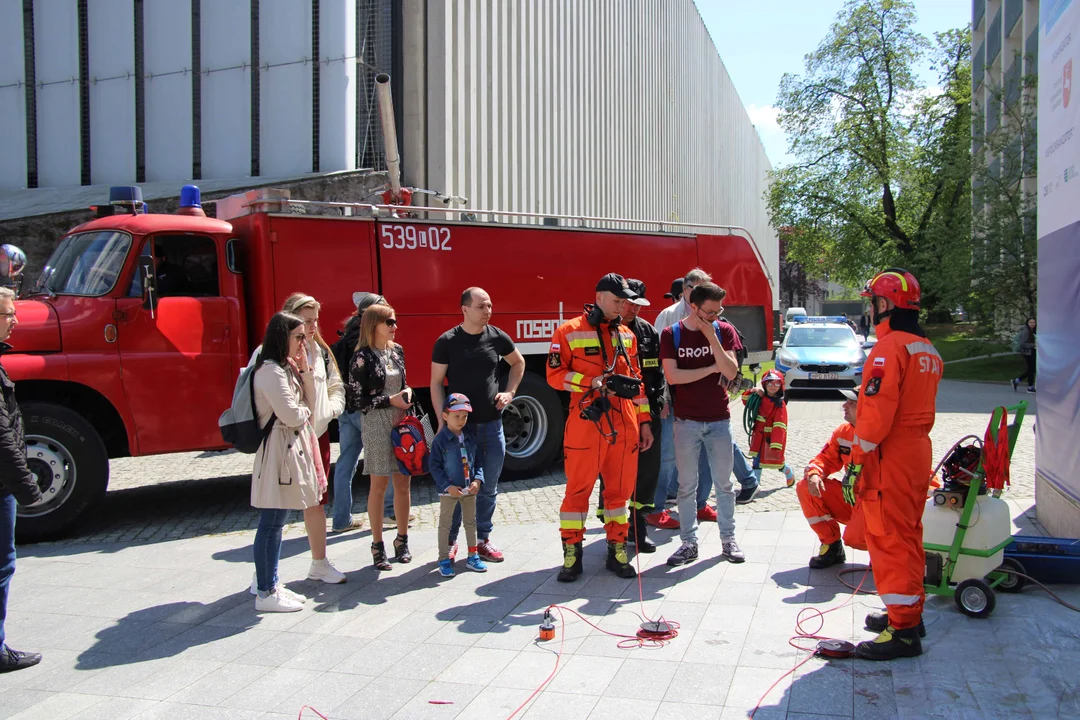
(896, 284)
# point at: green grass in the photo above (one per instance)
(765, 367)
(996, 369)
(958, 341)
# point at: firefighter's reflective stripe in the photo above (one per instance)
(865, 445)
(843, 442)
(922, 347)
(635, 505)
(895, 599)
(778, 425)
(575, 382)
(819, 519)
(760, 418)
(583, 343)
(616, 515)
(572, 520)
(776, 446)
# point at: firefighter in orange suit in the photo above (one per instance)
(891, 460)
(822, 497)
(594, 358)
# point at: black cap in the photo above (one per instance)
(676, 289)
(637, 287)
(616, 285)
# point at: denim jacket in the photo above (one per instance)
(445, 460)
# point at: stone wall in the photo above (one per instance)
(38, 236)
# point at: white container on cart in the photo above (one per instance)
(991, 525)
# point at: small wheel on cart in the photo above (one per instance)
(975, 599)
(1012, 583)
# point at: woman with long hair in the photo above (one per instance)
(378, 387)
(329, 401)
(1024, 343)
(288, 472)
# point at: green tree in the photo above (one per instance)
(882, 175)
(1005, 244)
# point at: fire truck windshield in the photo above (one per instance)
(86, 264)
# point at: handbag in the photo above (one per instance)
(425, 422)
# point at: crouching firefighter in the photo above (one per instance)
(891, 460)
(594, 358)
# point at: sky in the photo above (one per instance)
(761, 40)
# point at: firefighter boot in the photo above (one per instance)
(878, 621)
(890, 645)
(638, 534)
(618, 561)
(572, 567)
(829, 555)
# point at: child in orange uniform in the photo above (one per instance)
(769, 436)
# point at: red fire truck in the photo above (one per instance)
(132, 338)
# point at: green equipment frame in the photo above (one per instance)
(976, 597)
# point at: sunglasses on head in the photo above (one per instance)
(391, 322)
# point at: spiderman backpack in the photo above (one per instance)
(411, 447)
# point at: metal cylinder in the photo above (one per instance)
(389, 131)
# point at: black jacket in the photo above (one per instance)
(366, 386)
(652, 373)
(15, 476)
(345, 346)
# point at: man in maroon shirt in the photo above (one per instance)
(698, 362)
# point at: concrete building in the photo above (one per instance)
(1004, 49)
(562, 108)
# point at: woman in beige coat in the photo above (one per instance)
(329, 402)
(288, 473)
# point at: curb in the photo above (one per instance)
(979, 357)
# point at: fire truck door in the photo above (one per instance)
(175, 361)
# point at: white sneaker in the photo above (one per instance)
(286, 592)
(324, 570)
(277, 602)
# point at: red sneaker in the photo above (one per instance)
(707, 514)
(488, 552)
(663, 520)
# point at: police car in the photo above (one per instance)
(820, 353)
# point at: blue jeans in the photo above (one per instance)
(743, 473)
(351, 443)
(668, 484)
(267, 548)
(715, 437)
(7, 553)
(490, 456)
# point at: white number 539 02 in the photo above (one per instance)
(411, 237)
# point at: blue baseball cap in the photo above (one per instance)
(455, 402)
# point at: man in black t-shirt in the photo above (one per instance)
(468, 357)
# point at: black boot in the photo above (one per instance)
(829, 555)
(878, 621)
(891, 644)
(618, 561)
(572, 566)
(638, 534)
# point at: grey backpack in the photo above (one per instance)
(239, 424)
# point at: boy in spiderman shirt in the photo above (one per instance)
(769, 436)
(453, 466)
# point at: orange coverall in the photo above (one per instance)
(825, 513)
(892, 444)
(575, 359)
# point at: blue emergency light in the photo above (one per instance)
(128, 197)
(190, 197)
(819, 319)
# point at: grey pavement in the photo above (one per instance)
(165, 628)
(196, 494)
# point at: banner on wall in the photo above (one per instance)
(1057, 452)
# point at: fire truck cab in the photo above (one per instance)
(130, 341)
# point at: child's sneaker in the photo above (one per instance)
(446, 568)
(475, 564)
(789, 475)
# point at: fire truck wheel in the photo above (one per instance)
(71, 467)
(533, 426)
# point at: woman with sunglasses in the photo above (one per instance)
(377, 387)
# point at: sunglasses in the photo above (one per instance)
(391, 322)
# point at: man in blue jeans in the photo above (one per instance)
(17, 484)
(698, 361)
(468, 357)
